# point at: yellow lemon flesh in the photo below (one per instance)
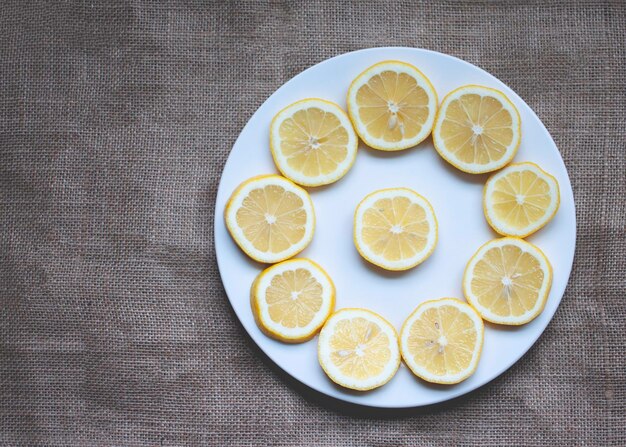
(292, 300)
(313, 142)
(441, 341)
(477, 130)
(270, 218)
(508, 281)
(358, 349)
(392, 106)
(520, 199)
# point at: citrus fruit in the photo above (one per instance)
(520, 199)
(313, 142)
(395, 228)
(441, 341)
(508, 281)
(270, 218)
(358, 349)
(292, 300)
(477, 130)
(392, 105)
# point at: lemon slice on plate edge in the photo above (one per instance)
(477, 129)
(392, 105)
(292, 300)
(520, 199)
(312, 142)
(358, 349)
(441, 340)
(508, 281)
(270, 218)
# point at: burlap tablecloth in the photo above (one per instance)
(115, 122)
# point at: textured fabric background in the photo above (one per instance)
(115, 122)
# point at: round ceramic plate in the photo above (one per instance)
(455, 196)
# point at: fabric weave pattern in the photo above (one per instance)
(116, 119)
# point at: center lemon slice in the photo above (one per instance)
(395, 228)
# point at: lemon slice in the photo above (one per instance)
(478, 129)
(508, 281)
(313, 142)
(392, 106)
(292, 300)
(520, 199)
(395, 228)
(441, 341)
(270, 218)
(358, 349)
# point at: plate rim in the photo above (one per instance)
(349, 398)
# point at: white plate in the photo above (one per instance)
(455, 196)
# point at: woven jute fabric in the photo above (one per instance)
(116, 120)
